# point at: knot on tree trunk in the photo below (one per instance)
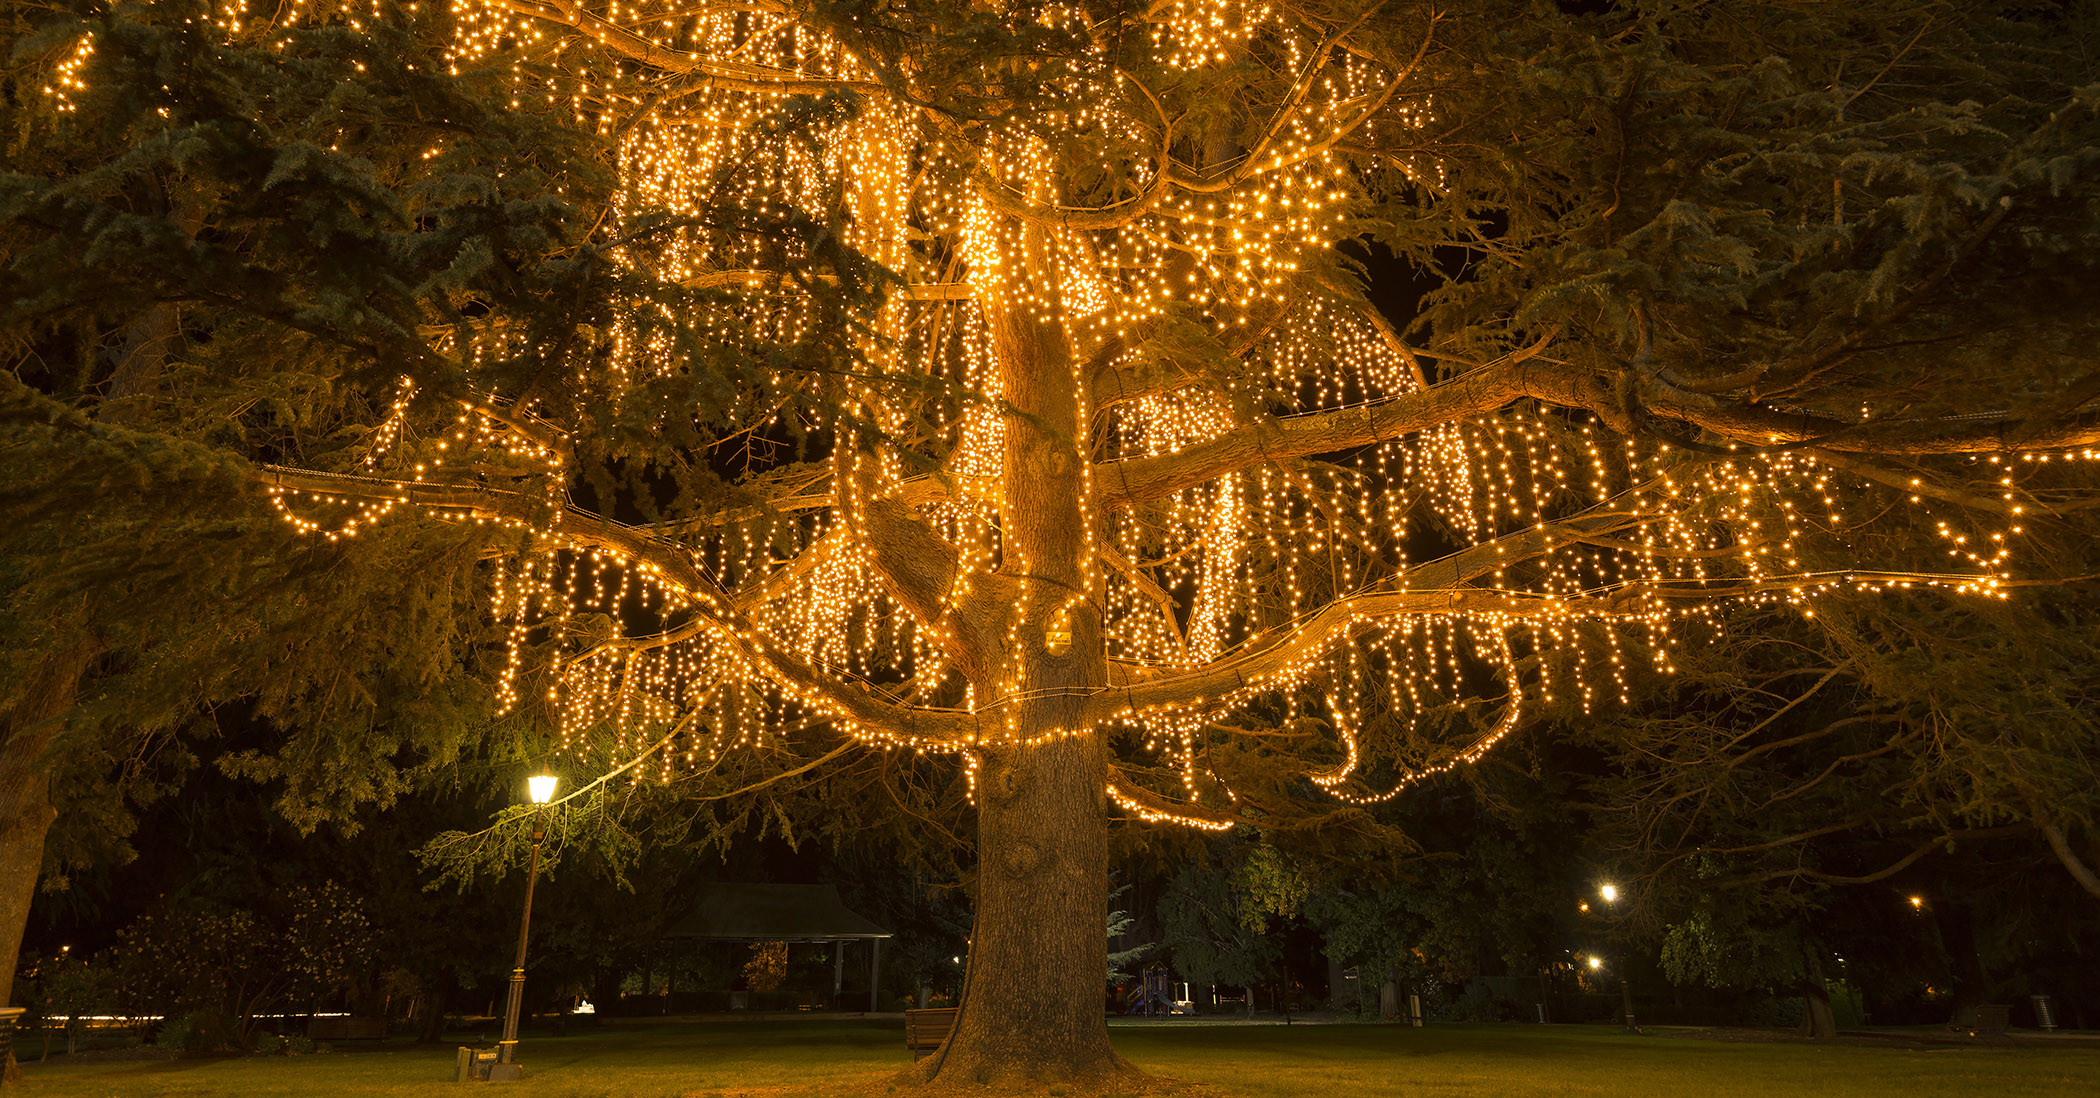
(1022, 859)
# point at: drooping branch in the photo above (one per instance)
(700, 73)
(2072, 863)
(1150, 806)
(668, 564)
(1438, 587)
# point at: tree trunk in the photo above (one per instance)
(1958, 938)
(25, 789)
(1817, 1020)
(432, 1027)
(25, 818)
(1032, 1010)
(1032, 997)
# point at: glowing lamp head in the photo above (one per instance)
(1610, 893)
(542, 786)
(1917, 903)
(1596, 962)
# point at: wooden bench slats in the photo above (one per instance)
(924, 1030)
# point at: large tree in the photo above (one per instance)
(985, 380)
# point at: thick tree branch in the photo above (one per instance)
(1133, 480)
(1881, 874)
(701, 74)
(2073, 864)
(668, 564)
(1150, 806)
(1436, 587)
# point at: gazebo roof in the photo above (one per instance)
(773, 913)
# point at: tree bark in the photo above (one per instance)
(430, 1027)
(26, 729)
(1817, 1019)
(2072, 863)
(1032, 1005)
(1032, 999)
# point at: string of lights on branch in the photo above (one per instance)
(1525, 555)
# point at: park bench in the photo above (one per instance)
(924, 1030)
(10, 1075)
(346, 1029)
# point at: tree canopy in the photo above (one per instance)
(1002, 383)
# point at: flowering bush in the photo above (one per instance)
(219, 968)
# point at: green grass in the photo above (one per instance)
(828, 1058)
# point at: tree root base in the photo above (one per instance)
(1119, 1079)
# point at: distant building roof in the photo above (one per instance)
(773, 913)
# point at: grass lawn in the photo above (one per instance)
(855, 1057)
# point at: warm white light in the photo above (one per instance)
(1917, 902)
(1596, 962)
(1610, 893)
(1168, 583)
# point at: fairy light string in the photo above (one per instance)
(1526, 545)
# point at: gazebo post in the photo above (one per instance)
(874, 970)
(798, 914)
(838, 971)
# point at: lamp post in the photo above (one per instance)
(1610, 893)
(506, 1065)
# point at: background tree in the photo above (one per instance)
(982, 382)
(1889, 749)
(138, 602)
(1215, 932)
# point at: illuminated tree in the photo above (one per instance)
(990, 382)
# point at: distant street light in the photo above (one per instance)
(506, 1067)
(1596, 962)
(1610, 893)
(1917, 903)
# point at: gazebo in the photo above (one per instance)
(785, 913)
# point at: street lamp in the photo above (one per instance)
(506, 1065)
(1610, 893)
